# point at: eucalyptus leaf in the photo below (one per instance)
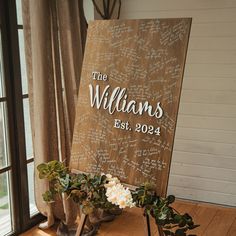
(180, 232)
(42, 166)
(171, 199)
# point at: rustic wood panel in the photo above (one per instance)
(217, 85)
(212, 29)
(212, 43)
(212, 57)
(206, 121)
(217, 136)
(203, 184)
(146, 59)
(212, 70)
(204, 109)
(202, 195)
(204, 172)
(204, 160)
(226, 149)
(195, 95)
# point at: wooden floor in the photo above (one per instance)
(214, 221)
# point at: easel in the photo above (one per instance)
(81, 225)
(84, 217)
(160, 231)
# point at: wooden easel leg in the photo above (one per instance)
(160, 231)
(81, 225)
(148, 225)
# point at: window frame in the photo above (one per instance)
(15, 116)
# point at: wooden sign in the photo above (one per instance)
(129, 98)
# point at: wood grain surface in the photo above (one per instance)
(145, 59)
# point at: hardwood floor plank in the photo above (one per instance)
(232, 230)
(214, 221)
(203, 216)
(185, 207)
(221, 223)
(131, 222)
(38, 232)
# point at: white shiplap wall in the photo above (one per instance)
(204, 159)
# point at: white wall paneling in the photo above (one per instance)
(204, 158)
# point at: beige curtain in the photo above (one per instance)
(55, 32)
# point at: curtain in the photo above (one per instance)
(55, 32)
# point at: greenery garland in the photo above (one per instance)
(92, 192)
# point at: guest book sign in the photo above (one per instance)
(128, 99)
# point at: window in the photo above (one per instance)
(17, 207)
(25, 97)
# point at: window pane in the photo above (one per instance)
(19, 12)
(2, 87)
(32, 206)
(22, 62)
(5, 206)
(28, 134)
(3, 136)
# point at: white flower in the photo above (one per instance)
(111, 181)
(110, 184)
(109, 176)
(118, 195)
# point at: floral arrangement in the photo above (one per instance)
(106, 192)
(117, 194)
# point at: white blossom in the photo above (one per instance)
(117, 194)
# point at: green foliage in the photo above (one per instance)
(48, 196)
(57, 175)
(172, 222)
(89, 192)
(86, 190)
(52, 170)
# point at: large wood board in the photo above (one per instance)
(129, 97)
